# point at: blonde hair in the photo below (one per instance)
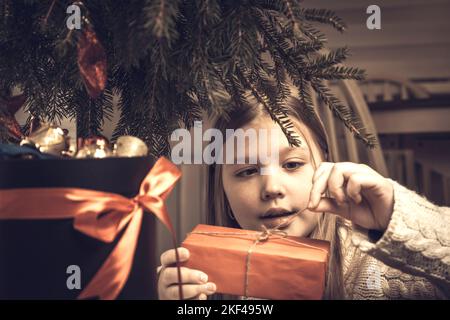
(219, 211)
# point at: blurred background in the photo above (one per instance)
(407, 90)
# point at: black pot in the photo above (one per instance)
(35, 254)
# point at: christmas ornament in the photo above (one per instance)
(129, 146)
(92, 62)
(48, 138)
(35, 124)
(94, 147)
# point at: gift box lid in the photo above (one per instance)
(117, 175)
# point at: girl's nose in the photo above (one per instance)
(272, 188)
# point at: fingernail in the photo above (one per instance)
(202, 296)
(184, 253)
(211, 287)
(203, 277)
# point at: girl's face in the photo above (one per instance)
(286, 188)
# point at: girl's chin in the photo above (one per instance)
(296, 227)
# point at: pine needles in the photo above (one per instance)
(170, 61)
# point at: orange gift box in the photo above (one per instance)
(279, 267)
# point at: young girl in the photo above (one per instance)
(387, 242)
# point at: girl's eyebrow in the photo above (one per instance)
(246, 160)
(302, 149)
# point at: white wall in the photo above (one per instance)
(413, 41)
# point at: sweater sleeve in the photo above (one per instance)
(417, 239)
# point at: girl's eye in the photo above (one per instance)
(247, 172)
(293, 165)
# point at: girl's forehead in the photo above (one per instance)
(265, 123)
(267, 139)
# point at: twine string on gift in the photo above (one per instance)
(262, 237)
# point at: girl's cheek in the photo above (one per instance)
(244, 206)
(242, 198)
(300, 186)
(304, 175)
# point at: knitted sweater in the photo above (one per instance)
(411, 260)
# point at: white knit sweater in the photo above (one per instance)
(411, 260)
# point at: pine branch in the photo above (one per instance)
(330, 59)
(344, 113)
(305, 98)
(340, 72)
(161, 18)
(276, 112)
(323, 16)
(173, 61)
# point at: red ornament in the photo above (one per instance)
(9, 108)
(92, 62)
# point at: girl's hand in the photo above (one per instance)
(359, 194)
(195, 283)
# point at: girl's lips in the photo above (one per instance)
(283, 222)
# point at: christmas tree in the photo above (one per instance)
(169, 61)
